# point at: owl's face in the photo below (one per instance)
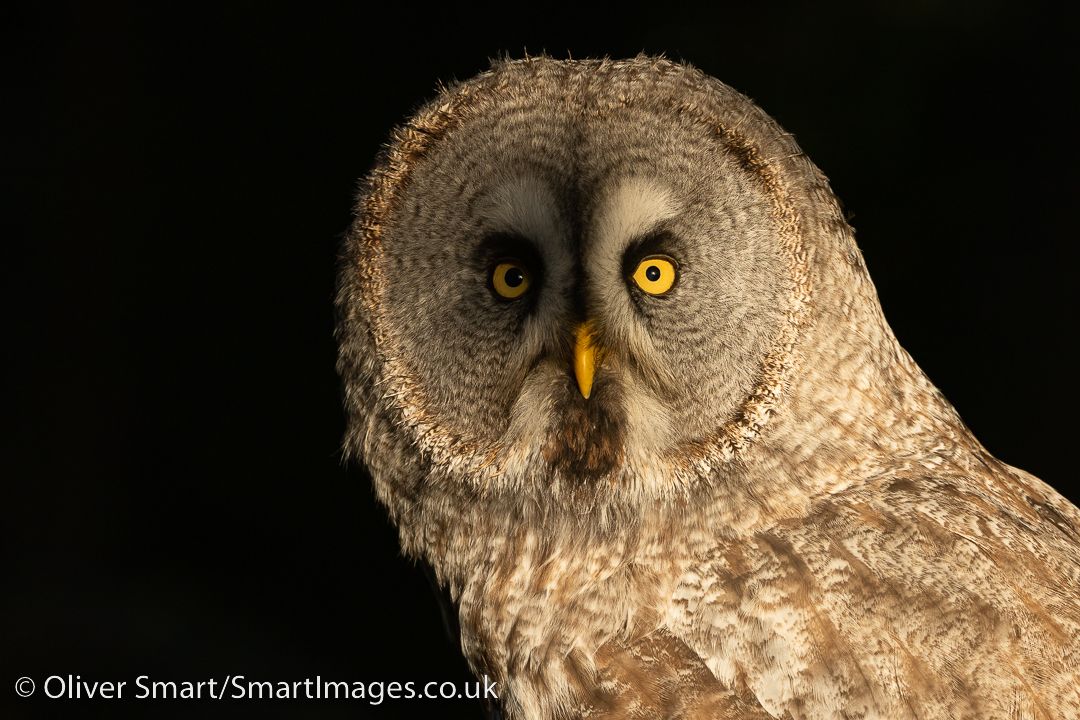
(575, 279)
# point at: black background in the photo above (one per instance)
(178, 179)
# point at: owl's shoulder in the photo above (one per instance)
(945, 593)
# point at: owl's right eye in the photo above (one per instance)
(510, 279)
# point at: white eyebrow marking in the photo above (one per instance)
(634, 207)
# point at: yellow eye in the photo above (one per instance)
(656, 274)
(509, 279)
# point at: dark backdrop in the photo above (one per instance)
(177, 182)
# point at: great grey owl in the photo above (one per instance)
(619, 374)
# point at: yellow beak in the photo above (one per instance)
(584, 358)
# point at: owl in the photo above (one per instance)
(620, 376)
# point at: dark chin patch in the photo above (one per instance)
(586, 441)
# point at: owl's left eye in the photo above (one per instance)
(510, 279)
(656, 274)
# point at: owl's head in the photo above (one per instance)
(573, 273)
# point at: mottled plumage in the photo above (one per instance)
(764, 508)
